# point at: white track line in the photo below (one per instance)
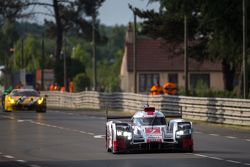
(91, 133)
(232, 161)
(216, 158)
(99, 136)
(231, 137)
(221, 159)
(200, 155)
(9, 117)
(83, 132)
(21, 161)
(34, 165)
(62, 128)
(9, 156)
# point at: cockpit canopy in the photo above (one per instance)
(149, 121)
(184, 125)
(24, 92)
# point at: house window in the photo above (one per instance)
(146, 81)
(173, 77)
(196, 79)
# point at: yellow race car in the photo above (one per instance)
(24, 99)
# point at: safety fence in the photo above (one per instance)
(219, 110)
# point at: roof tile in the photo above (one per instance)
(156, 55)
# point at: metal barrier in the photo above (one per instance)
(219, 110)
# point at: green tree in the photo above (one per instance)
(71, 15)
(32, 54)
(222, 28)
(80, 60)
(80, 54)
(81, 82)
(31, 57)
(10, 11)
(218, 25)
(108, 73)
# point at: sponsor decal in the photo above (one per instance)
(153, 135)
(152, 131)
(154, 140)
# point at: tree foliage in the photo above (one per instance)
(32, 54)
(68, 33)
(217, 25)
(81, 82)
(10, 11)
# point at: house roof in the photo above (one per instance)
(156, 55)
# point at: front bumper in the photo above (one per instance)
(33, 106)
(124, 145)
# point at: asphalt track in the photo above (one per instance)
(75, 139)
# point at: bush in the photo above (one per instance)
(201, 90)
(81, 82)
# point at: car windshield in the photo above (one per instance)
(25, 93)
(149, 121)
(184, 125)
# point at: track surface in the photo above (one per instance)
(75, 139)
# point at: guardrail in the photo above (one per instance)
(218, 110)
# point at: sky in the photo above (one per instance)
(112, 12)
(117, 12)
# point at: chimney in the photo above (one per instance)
(129, 33)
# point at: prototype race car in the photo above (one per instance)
(148, 130)
(24, 99)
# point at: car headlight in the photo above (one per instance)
(11, 100)
(119, 133)
(125, 134)
(179, 133)
(40, 101)
(128, 135)
(183, 132)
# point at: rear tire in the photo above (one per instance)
(191, 149)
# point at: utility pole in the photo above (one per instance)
(22, 56)
(93, 48)
(65, 65)
(42, 64)
(244, 59)
(134, 49)
(185, 51)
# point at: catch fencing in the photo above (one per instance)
(217, 110)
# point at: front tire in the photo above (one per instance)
(6, 110)
(114, 150)
(41, 110)
(107, 142)
(190, 149)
